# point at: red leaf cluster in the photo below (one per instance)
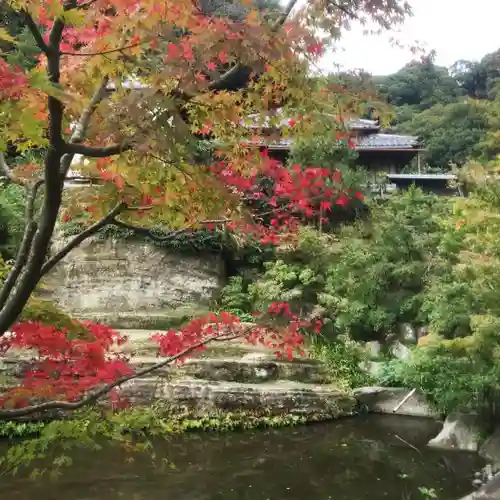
(64, 367)
(291, 194)
(12, 81)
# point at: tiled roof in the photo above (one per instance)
(363, 143)
(387, 141)
(363, 124)
(256, 121)
(424, 177)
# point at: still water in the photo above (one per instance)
(364, 458)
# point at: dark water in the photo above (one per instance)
(364, 458)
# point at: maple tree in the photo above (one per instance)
(123, 92)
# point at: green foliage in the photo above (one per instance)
(378, 280)
(420, 85)
(14, 430)
(12, 199)
(367, 279)
(44, 311)
(343, 360)
(479, 79)
(456, 375)
(234, 295)
(452, 110)
(427, 493)
(452, 133)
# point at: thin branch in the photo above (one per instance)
(94, 396)
(284, 16)
(96, 152)
(109, 218)
(220, 83)
(172, 234)
(86, 5)
(35, 32)
(7, 171)
(346, 11)
(105, 52)
(83, 123)
(22, 255)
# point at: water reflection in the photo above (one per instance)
(364, 458)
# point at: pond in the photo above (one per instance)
(363, 458)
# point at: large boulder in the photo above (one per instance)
(400, 351)
(408, 333)
(387, 399)
(131, 284)
(490, 450)
(460, 432)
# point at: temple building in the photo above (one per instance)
(384, 155)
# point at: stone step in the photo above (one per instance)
(139, 343)
(203, 397)
(250, 368)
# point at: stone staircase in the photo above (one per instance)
(235, 376)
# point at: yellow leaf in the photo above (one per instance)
(5, 35)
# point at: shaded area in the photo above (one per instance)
(364, 458)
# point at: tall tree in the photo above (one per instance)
(452, 133)
(479, 78)
(420, 84)
(128, 87)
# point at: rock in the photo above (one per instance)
(385, 399)
(477, 483)
(203, 397)
(374, 348)
(400, 351)
(130, 279)
(252, 368)
(490, 491)
(490, 450)
(460, 432)
(408, 333)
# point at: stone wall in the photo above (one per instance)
(112, 280)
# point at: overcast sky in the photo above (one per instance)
(456, 29)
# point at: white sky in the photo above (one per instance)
(456, 29)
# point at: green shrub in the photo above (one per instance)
(462, 374)
(367, 278)
(343, 360)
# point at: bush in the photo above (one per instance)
(456, 375)
(343, 360)
(367, 278)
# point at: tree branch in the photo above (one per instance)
(221, 83)
(169, 236)
(79, 132)
(105, 52)
(346, 11)
(284, 16)
(109, 218)
(35, 32)
(94, 396)
(94, 152)
(25, 247)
